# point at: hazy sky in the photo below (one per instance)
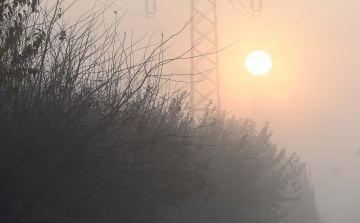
(320, 64)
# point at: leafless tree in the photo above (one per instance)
(97, 135)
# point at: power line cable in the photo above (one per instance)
(257, 40)
(158, 25)
(278, 23)
(245, 8)
(239, 10)
(262, 32)
(283, 14)
(268, 19)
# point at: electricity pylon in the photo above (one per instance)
(205, 86)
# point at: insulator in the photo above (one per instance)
(155, 6)
(146, 5)
(252, 4)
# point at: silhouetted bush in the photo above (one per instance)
(96, 135)
(253, 176)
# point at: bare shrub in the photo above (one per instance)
(97, 135)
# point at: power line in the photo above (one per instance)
(239, 10)
(268, 20)
(278, 23)
(262, 32)
(283, 14)
(245, 8)
(257, 40)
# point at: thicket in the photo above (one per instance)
(94, 135)
(305, 209)
(254, 178)
(91, 130)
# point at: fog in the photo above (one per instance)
(312, 92)
(323, 64)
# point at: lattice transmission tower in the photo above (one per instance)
(205, 80)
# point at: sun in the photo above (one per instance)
(258, 63)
